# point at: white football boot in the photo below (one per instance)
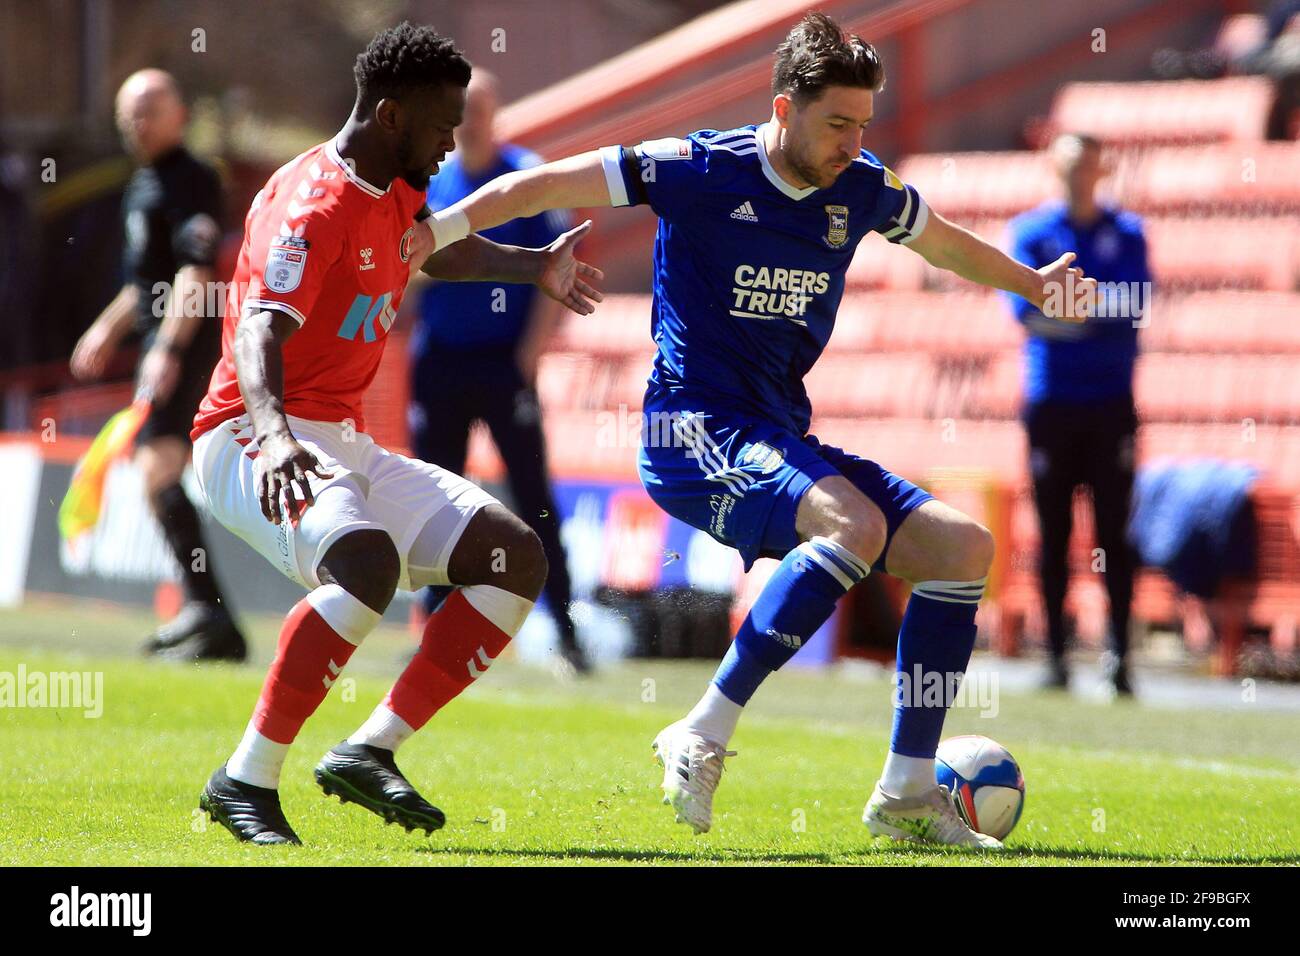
(929, 818)
(692, 768)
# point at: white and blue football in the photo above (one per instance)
(985, 783)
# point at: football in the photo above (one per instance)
(984, 781)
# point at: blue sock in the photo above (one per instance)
(934, 648)
(797, 599)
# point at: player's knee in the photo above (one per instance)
(366, 564)
(834, 508)
(527, 563)
(499, 549)
(975, 546)
(860, 527)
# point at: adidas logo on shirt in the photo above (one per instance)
(745, 212)
(789, 640)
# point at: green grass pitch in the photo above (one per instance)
(534, 771)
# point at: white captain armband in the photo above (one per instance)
(611, 161)
(911, 219)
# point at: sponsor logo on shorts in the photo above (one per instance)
(721, 506)
(763, 457)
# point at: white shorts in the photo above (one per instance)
(371, 487)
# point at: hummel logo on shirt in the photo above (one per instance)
(745, 212)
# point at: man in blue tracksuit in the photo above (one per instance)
(1078, 408)
(475, 350)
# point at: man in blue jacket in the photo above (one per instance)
(1078, 409)
(475, 351)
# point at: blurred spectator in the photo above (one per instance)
(172, 213)
(1078, 409)
(1249, 44)
(17, 267)
(476, 348)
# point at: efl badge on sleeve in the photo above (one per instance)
(837, 231)
(666, 148)
(285, 263)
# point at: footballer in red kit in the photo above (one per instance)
(322, 242)
(284, 462)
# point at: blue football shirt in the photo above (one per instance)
(749, 270)
(482, 315)
(1093, 360)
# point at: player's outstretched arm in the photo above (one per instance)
(577, 182)
(1058, 290)
(554, 268)
(282, 463)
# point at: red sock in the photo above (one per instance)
(310, 656)
(458, 645)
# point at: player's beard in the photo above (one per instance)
(807, 170)
(417, 177)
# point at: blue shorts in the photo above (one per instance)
(740, 479)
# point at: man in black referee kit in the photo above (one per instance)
(172, 215)
(1079, 391)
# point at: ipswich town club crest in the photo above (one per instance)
(837, 228)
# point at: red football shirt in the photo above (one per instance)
(333, 252)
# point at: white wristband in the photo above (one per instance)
(448, 226)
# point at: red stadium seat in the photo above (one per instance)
(619, 326)
(981, 185)
(963, 322)
(1223, 252)
(1166, 112)
(879, 264)
(1224, 321)
(628, 387)
(564, 379)
(871, 384)
(914, 447)
(1240, 176)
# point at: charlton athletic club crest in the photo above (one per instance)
(837, 228)
(404, 247)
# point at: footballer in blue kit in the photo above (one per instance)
(757, 227)
(732, 386)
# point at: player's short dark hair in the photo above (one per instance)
(406, 58)
(817, 54)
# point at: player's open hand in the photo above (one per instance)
(282, 466)
(421, 248)
(565, 278)
(1067, 294)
